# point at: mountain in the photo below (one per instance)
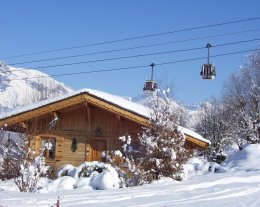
(18, 86)
(180, 111)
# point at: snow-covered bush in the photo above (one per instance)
(104, 180)
(89, 169)
(11, 150)
(65, 170)
(198, 166)
(218, 157)
(90, 175)
(62, 183)
(161, 152)
(30, 172)
(16, 162)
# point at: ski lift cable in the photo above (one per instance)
(134, 67)
(135, 38)
(135, 56)
(117, 58)
(131, 48)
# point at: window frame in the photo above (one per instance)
(46, 152)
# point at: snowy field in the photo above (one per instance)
(224, 189)
(237, 186)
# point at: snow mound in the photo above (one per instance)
(89, 175)
(247, 159)
(103, 181)
(199, 166)
(66, 170)
(62, 183)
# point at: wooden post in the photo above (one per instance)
(58, 202)
(118, 124)
(87, 147)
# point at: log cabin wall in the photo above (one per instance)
(91, 123)
(193, 149)
(93, 128)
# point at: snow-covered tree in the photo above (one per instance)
(212, 122)
(235, 117)
(242, 97)
(10, 152)
(30, 172)
(15, 161)
(161, 152)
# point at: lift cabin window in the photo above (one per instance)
(208, 71)
(48, 147)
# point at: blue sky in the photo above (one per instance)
(31, 26)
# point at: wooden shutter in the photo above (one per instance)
(59, 148)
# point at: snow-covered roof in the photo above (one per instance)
(191, 133)
(116, 100)
(113, 99)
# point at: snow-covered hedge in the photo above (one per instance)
(198, 166)
(91, 175)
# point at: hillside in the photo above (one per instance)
(19, 86)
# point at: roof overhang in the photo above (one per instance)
(200, 143)
(70, 101)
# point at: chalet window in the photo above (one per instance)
(48, 146)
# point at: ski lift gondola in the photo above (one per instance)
(208, 70)
(150, 85)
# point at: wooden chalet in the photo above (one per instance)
(83, 125)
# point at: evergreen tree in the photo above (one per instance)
(161, 152)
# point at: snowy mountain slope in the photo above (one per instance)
(180, 110)
(143, 99)
(193, 111)
(18, 87)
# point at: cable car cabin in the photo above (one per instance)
(208, 71)
(150, 85)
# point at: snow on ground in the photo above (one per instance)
(247, 159)
(199, 166)
(237, 186)
(223, 189)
